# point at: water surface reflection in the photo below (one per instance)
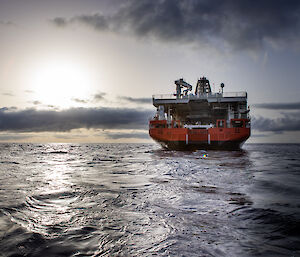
(139, 200)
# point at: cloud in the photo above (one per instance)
(8, 94)
(52, 106)
(136, 100)
(289, 122)
(7, 23)
(9, 137)
(95, 98)
(279, 106)
(70, 136)
(259, 135)
(243, 24)
(128, 135)
(77, 100)
(99, 97)
(59, 21)
(36, 102)
(12, 108)
(32, 120)
(265, 59)
(97, 21)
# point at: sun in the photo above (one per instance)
(59, 83)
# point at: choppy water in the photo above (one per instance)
(139, 200)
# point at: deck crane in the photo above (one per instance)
(180, 83)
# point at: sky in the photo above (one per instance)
(86, 70)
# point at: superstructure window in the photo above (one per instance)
(160, 126)
(237, 123)
(221, 124)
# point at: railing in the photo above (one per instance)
(235, 94)
(213, 95)
(168, 96)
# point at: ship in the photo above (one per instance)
(200, 120)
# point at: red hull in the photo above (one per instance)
(211, 138)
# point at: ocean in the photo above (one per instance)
(141, 200)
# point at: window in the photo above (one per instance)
(160, 126)
(221, 124)
(237, 123)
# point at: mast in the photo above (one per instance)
(203, 87)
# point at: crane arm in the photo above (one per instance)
(182, 83)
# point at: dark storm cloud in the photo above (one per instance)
(289, 122)
(279, 106)
(136, 100)
(137, 135)
(243, 24)
(32, 120)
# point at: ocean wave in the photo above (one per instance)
(140, 200)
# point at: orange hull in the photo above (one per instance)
(211, 138)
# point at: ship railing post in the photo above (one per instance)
(169, 120)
